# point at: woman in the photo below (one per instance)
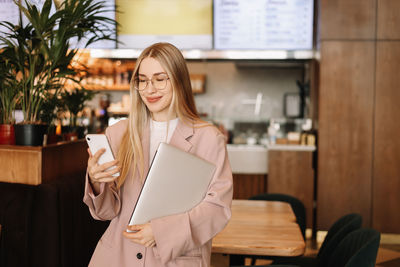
(162, 109)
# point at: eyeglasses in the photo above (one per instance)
(159, 82)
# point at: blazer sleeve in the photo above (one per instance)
(107, 204)
(177, 234)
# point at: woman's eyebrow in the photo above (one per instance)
(157, 73)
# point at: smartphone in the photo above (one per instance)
(97, 142)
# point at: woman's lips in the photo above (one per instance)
(153, 99)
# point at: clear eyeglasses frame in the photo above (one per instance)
(158, 81)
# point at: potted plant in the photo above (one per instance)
(74, 102)
(50, 113)
(39, 54)
(8, 98)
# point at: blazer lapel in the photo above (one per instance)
(146, 148)
(181, 135)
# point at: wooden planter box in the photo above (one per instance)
(36, 165)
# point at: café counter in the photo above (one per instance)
(39, 164)
(284, 169)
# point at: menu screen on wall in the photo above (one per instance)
(263, 24)
(184, 23)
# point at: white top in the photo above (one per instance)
(158, 134)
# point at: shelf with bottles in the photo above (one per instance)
(101, 73)
(198, 82)
(102, 82)
(115, 75)
(121, 82)
(106, 74)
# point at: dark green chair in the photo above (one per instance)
(336, 233)
(359, 248)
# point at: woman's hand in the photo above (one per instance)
(98, 173)
(143, 235)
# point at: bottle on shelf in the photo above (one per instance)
(272, 132)
(308, 134)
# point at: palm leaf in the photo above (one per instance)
(39, 52)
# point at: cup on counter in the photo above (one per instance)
(251, 140)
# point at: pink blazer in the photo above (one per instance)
(182, 239)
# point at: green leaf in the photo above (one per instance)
(36, 57)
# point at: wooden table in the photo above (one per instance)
(259, 228)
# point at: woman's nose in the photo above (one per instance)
(150, 88)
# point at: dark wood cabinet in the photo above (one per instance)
(292, 173)
(247, 185)
(386, 167)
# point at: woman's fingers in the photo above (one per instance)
(90, 153)
(96, 156)
(114, 170)
(141, 234)
(150, 243)
(105, 180)
(135, 228)
(101, 173)
(107, 165)
(98, 153)
(92, 161)
(105, 176)
(134, 236)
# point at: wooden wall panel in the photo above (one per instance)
(345, 130)
(247, 185)
(291, 172)
(347, 19)
(386, 186)
(388, 19)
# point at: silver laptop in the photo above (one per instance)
(176, 182)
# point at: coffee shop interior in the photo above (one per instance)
(305, 92)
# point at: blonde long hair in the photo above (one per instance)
(171, 59)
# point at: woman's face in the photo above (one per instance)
(156, 100)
